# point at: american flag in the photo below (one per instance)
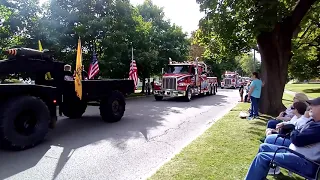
(133, 73)
(94, 66)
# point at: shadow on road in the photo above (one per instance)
(141, 116)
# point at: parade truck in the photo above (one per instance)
(184, 79)
(230, 80)
(28, 111)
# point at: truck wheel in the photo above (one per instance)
(112, 109)
(188, 95)
(74, 109)
(24, 122)
(222, 87)
(158, 98)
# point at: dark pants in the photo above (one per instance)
(272, 123)
(254, 106)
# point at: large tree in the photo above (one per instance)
(271, 24)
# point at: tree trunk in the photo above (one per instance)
(275, 50)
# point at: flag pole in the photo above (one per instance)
(131, 51)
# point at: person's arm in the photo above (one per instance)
(308, 136)
(251, 88)
(284, 118)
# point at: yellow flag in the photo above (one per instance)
(40, 46)
(78, 78)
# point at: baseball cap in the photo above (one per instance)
(314, 102)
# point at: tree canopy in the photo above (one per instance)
(111, 27)
(274, 28)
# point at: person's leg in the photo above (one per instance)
(256, 108)
(260, 166)
(272, 123)
(252, 106)
(271, 139)
(265, 147)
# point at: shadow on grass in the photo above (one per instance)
(287, 100)
(312, 91)
(260, 123)
(281, 176)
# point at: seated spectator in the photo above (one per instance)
(299, 108)
(305, 142)
(287, 115)
(274, 139)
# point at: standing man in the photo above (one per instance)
(68, 76)
(254, 94)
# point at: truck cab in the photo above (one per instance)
(183, 79)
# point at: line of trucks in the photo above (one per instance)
(28, 111)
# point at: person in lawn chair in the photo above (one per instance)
(306, 142)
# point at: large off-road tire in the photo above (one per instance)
(73, 108)
(188, 95)
(24, 122)
(158, 98)
(112, 108)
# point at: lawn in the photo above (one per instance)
(224, 151)
(311, 90)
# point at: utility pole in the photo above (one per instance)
(254, 60)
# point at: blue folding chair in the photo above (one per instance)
(314, 176)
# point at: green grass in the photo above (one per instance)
(136, 95)
(224, 151)
(311, 90)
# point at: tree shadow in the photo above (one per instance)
(260, 123)
(144, 119)
(281, 176)
(287, 100)
(312, 91)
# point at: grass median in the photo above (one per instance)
(224, 151)
(311, 90)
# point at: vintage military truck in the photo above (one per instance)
(27, 111)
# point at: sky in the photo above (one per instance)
(184, 13)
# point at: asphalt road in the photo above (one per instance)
(149, 134)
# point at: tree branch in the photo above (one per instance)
(300, 11)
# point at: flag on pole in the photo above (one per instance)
(133, 72)
(78, 76)
(40, 46)
(94, 66)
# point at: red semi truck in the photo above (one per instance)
(184, 79)
(230, 80)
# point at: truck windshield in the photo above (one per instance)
(230, 76)
(178, 69)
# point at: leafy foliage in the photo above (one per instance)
(247, 64)
(111, 27)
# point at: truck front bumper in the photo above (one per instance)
(169, 93)
(228, 86)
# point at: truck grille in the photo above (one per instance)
(169, 83)
(227, 81)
